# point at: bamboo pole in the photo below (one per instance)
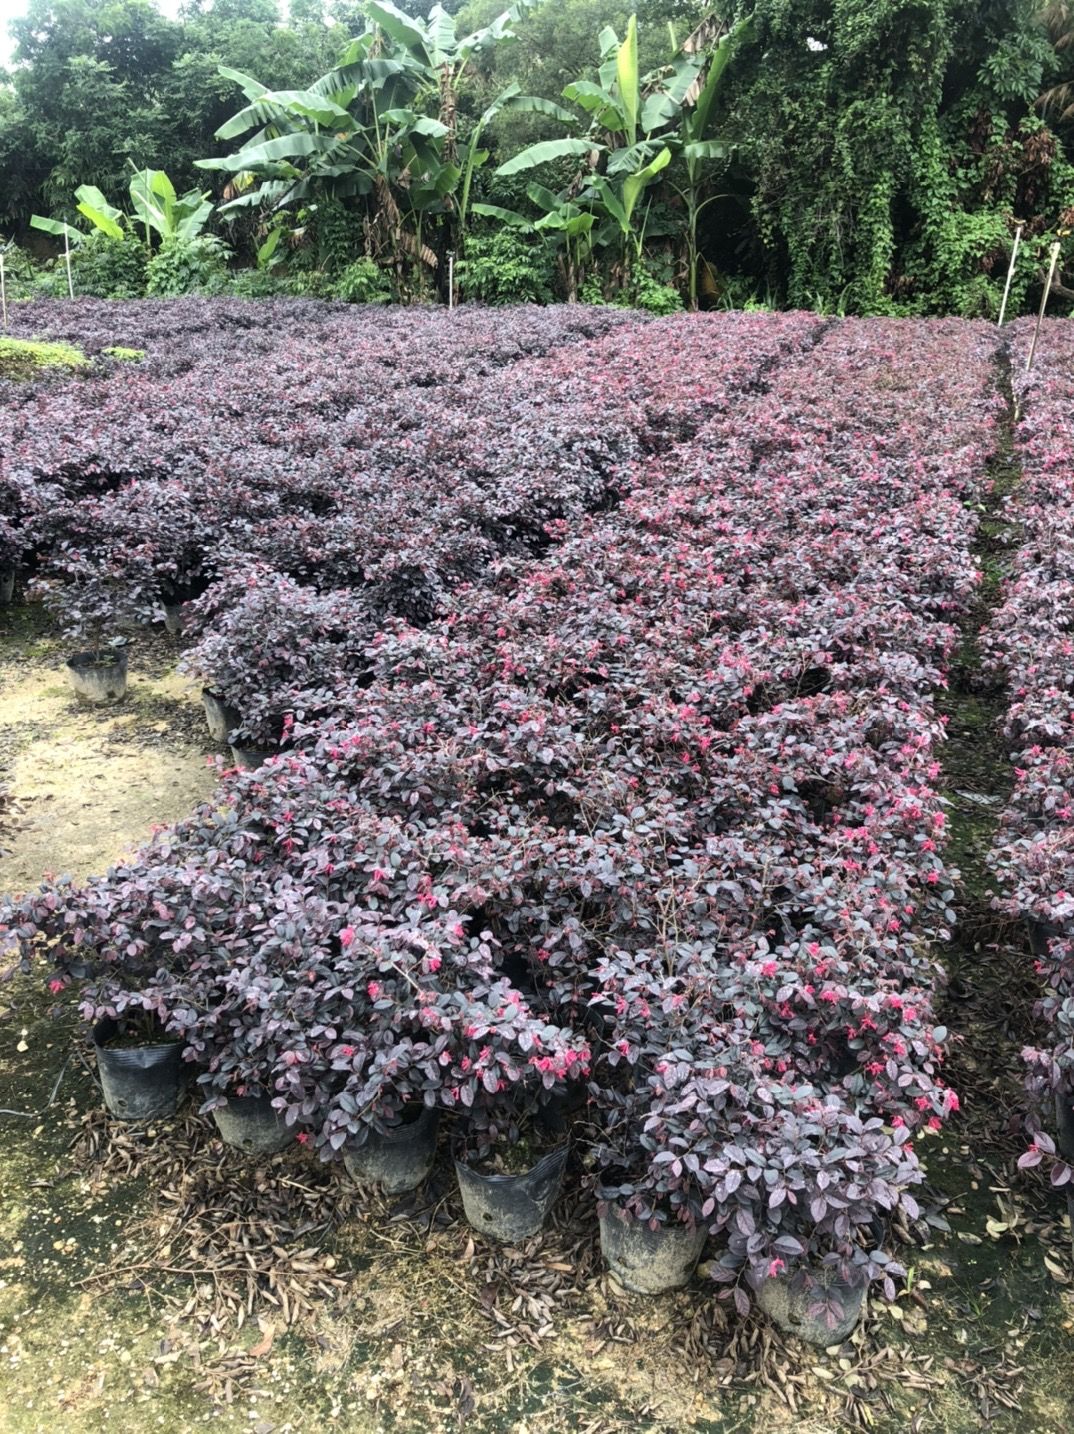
(67, 261)
(1010, 274)
(451, 279)
(1043, 305)
(3, 291)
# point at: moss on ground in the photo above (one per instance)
(22, 358)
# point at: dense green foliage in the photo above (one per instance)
(855, 155)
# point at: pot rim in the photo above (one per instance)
(90, 661)
(547, 1162)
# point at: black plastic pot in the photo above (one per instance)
(398, 1159)
(1064, 1125)
(220, 715)
(98, 679)
(511, 1207)
(7, 586)
(139, 1082)
(248, 1122)
(561, 1110)
(649, 1262)
(791, 1301)
(1040, 933)
(248, 759)
(173, 618)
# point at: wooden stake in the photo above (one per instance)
(1043, 305)
(3, 291)
(451, 279)
(1010, 274)
(67, 260)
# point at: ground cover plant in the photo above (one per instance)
(601, 657)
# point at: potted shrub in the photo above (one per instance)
(383, 1114)
(94, 594)
(650, 1152)
(253, 1007)
(264, 641)
(501, 1066)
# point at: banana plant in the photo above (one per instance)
(159, 207)
(381, 127)
(567, 224)
(693, 141)
(154, 201)
(474, 156)
(92, 205)
(625, 146)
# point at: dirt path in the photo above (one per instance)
(90, 782)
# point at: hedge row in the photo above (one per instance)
(1031, 642)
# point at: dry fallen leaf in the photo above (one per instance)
(264, 1344)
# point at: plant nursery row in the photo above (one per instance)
(579, 672)
(1029, 645)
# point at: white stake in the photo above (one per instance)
(3, 291)
(1043, 304)
(1010, 274)
(451, 279)
(67, 260)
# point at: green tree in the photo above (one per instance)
(883, 146)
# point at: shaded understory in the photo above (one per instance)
(151, 1278)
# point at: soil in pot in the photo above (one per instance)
(649, 1262)
(508, 1204)
(398, 1158)
(249, 1123)
(98, 676)
(223, 719)
(140, 1069)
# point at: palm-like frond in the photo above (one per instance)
(1058, 18)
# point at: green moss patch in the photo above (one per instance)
(117, 351)
(22, 358)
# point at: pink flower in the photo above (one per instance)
(346, 936)
(303, 1137)
(776, 1267)
(434, 963)
(373, 990)
(55, 986)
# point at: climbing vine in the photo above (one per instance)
(891, 148)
